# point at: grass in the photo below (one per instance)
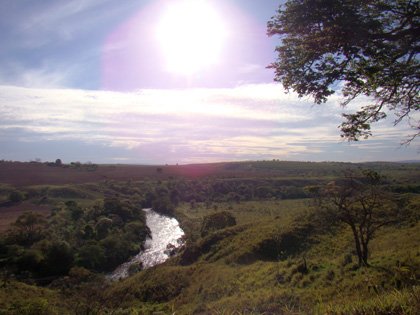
(395, 302)
(244, 212)
(232, 272)
(272, 262)
(18, 298)
(220, 281)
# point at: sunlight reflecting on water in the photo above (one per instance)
(167, 236)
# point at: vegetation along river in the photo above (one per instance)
(166, 238)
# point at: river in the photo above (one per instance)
(166, 238)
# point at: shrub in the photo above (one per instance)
(102, 227)
(163, 205)
(91, 256)
(58, 258)
(217, 221)
(16, 196)
(30, 260)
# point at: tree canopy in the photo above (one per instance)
(361, 202)
(363, 47)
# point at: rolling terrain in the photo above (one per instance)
(275, 257)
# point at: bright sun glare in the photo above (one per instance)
(191, 35)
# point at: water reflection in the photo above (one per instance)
(167, 237)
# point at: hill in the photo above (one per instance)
(275, 257)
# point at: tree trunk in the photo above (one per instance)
(365, 252)
(357, 243)
(364, 239)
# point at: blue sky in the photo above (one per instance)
(95, 81)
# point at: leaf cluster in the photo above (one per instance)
(99, 238)
(368, 48)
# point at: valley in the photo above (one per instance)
(256, 240)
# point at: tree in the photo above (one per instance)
(369, 47)
(122, 208)
(28, 228)
(59, 258)
(102, 227)
(362, 203)
(91, 256)
(76, 211)
(30, 260)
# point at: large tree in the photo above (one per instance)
(361, 202)
(363, 47)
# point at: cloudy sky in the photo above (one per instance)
(161, 81)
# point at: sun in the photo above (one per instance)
(191, 35)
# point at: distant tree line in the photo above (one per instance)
(169, 193)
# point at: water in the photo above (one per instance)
(167, 237)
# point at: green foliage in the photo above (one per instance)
(102, 227)
(30, 260)
(67, 192)
(91, 256)
(117, 250)
(369, 46)
(16, 196)
(288, 242)
(360, 201)
(59, 258)
(18, 298)
(136, 230)
(217, 221)
(99, 237)
(163, 204)
(27, 229)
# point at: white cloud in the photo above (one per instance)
(246, 122)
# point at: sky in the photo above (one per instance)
(162, 82)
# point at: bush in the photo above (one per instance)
(27, 229)
(75, 210)
(58, 258)
(217, 221)
(30, 260)
(163, 205)
(91, 256)
(287, 243)
(117, 250)
(16, 196)
(102, 227)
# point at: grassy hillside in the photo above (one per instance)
(258, 267)
(277, 259)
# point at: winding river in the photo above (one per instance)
(166, 238)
